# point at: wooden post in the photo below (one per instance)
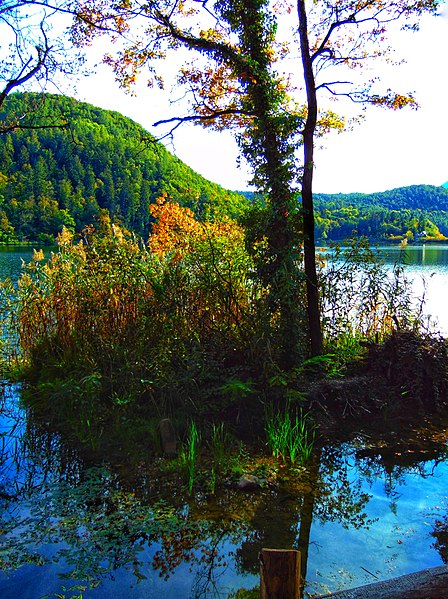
(168, 437)
(279, 574)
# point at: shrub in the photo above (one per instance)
(160, 322)
(413, 369)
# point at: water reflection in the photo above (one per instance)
(11, 259)
(77, 522)
(425, 255)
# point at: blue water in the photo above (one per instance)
(371, 521)
(376, 506)
(397, 542)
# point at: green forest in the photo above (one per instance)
(76, 162)
(414, 213)
(84, 161)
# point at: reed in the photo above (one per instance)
(188, 456)
(290, 436)
(151, 320)
(219, 450)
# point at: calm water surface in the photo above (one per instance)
(76, 525)
(427, 265)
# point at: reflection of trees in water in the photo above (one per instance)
(19, 473)
(418, 452)
(332, 491)
(98, 527)
(30, 454)
(284, 519)
(12, 425)
(93, 524)
(440, 534)
(333, 497)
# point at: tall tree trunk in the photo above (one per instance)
(312, 287)
(270, 141)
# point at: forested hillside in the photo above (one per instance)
(70, 162)
(415, 213)
(418, 212)
(89, 161)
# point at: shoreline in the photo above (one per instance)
(431, 583)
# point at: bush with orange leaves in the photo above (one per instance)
(206, 274)
(147, 323)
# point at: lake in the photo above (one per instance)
(75, 524)
(427, 265)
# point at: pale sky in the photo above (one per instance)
(389, 149)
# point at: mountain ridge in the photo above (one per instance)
(85, 161)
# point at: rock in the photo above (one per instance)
(249, 482)
(431, 584)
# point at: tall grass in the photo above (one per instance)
(361, 298)
(181, 322)
(153, 321)
(188, 456)
(219, 447)
(290, 436)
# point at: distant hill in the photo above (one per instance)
(105, 163)
(415, 213)
(55, 176)
(423, 197)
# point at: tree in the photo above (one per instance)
(342, 33)
(29, 50)
(234, 82)
(31, 55)
(237, 87)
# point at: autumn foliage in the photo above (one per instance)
(142, 320)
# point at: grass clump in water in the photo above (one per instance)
(188, 456)
(290, 436)
(218, 445)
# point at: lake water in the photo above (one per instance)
(76, 525)
(427, 265)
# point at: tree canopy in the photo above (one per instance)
(34, 52)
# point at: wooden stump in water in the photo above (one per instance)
(168, 437)
(279, 574)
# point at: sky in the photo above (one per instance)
(388, 149)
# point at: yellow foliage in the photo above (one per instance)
(329, 121)
(65, 237)
(176, 230)
(174, 225)
(38, 255)
(395, 101)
